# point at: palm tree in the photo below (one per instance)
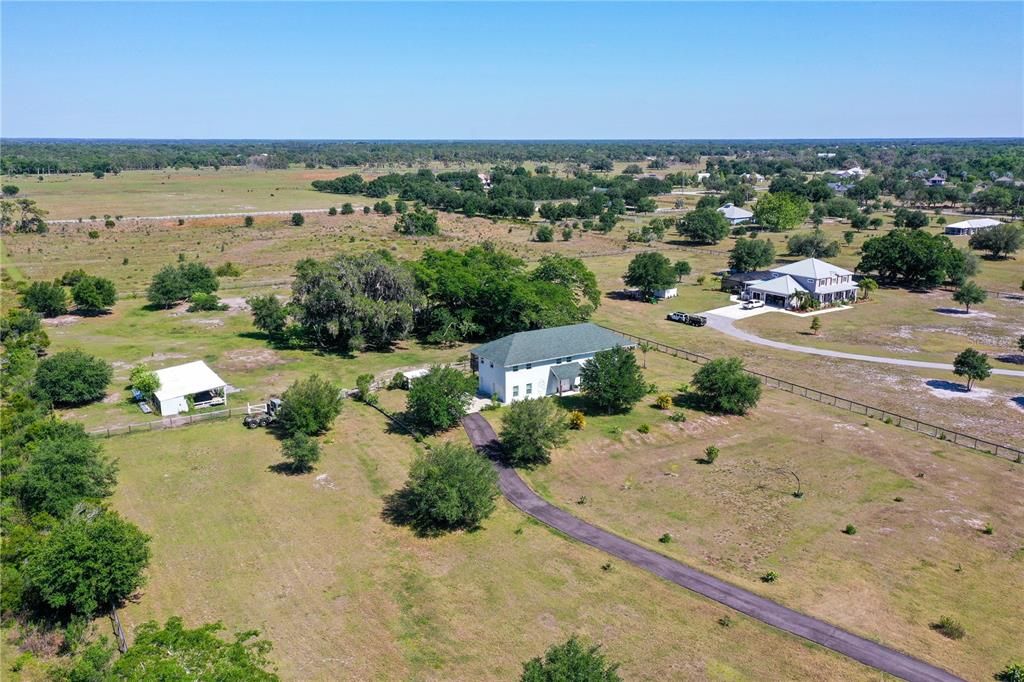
(645, 348)
(866, 286)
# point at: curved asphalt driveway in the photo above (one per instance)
(867, 652)
(726, 326)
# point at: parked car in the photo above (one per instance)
(752, 303)
(676, 317)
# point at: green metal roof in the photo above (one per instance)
(549, 344)
(567, 371)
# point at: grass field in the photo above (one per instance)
(343, 595)
(919, 508)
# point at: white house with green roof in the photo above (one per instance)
(542, 362)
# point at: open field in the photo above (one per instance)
(343, 595)
(919, 508)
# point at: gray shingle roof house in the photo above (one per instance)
(735, 214)
(540, 362)
(828, 284)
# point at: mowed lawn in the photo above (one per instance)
(343, 595)
(919, 507)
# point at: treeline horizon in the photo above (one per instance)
(57, 156)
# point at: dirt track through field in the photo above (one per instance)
(515, 490)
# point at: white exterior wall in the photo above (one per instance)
(173, 406)
(501, 380)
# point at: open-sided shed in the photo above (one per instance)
(193, 379)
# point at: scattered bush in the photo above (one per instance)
(363, 385)
(545, 234)
(228, 269)
(725, 621)
(438, 400)
(664, 401)
(770, 577)
(665, 539)
(949, 627)
(298, 219)
(850, 529)
(644, 428)
(200, 302)
(577, 421)
(309, 406)
(710, 454)
(46, 298)
(988, 529)
(249, 221)
(143, 380)
(678, 416)
(724, 386)
(93, 294)
(332, 211)
(398, 381)
(612, 380)
(531, 429)
(1013, 672)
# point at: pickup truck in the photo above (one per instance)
(687, 318)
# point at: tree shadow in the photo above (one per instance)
(951, 386)
(288, 469)
(950, 311)
(79, 312)
(1012, 358)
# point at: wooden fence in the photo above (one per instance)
(1009, 452)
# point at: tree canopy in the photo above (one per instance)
(650, 272)
(93, 294)
(748, 255)
(174, 284)
(781, 211)
(612, 380)
(722, 385)
(1000, 241)
(972, 365)
(309, 406)
(968, 294)
(705, 226)
(438, 399)
(812, 245)
(530, 429)
(571, 662)
(92, 560)
(912, 257)
(72, 377)
(49, 299)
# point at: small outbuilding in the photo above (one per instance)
(972, 226)
(193, 380)
(734, 214)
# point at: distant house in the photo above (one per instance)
(734, 214)
(701, 176)
(972, 226)
(838, 187)
(752, 177)
(936, 181)
(541, 362)
(1004, 180)
(826, 155)
(826, 283)
(485, 180)
(855, 172)
(193, 381)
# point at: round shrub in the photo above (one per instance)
(72, 377)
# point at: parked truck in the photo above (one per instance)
(264, 418)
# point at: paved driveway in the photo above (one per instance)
(724, 324)
(736, 311)
(865, 651)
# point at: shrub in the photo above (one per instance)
(332, 211)
(249, 221)
(366, 394)
(228, 269)
(566, 234)
(108, 223)
(545, 233)
(678, 416)
(724, 386)
(301, 451)
(46, 298)
(710, 454)
(612, 380)
(450, 487)
(438, 400)
(346, 209)
(200, 302)
(577, 421)
(644, 428)
(665, 539)
(72, 377)
(398, 381)
(309, 406)
(177, 283)
(72, 277)
(143, 380)
(850, 529)
(571, 661)
(1013, 672)
(988, 529)
(531, 429)
(725, 621)
(949, 627)
(298, 219)
(93, 294)
(770, 577)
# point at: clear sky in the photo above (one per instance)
(512, 71)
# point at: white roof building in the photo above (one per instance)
(855, 172)
(735, 214)
(972, 226)
(826, 283)
(191, 380)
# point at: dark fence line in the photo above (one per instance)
(174, 422)
(888, 416)
(1013, 296)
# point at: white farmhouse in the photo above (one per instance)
(192, 380)
(826, 283)
(734, 214)
(542, 362)
(972, 226)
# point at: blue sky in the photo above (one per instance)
(503, 70)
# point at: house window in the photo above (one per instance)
(529, 389)
(569, 359)
(529, 365)
(515, 368)
(515, 391)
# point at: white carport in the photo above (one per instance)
(193, 379)
(972, 226)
